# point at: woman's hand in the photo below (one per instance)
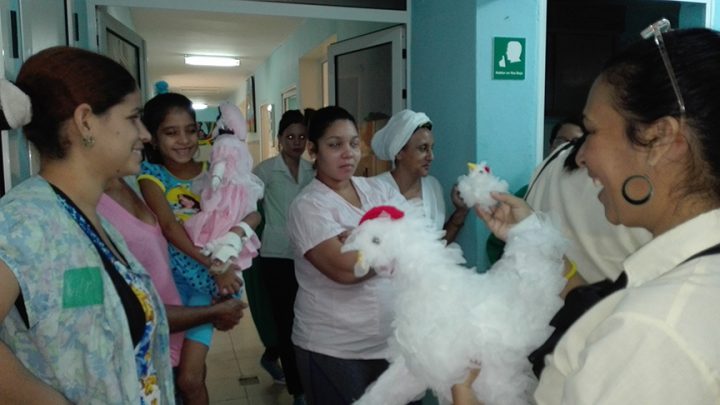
(457, 199)
(457, 219)
(342, 237)
(502, 217)
(463, 394)
(228, 282)
(227, 313)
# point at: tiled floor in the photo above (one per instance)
(234, 373)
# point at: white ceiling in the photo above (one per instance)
(170, 34)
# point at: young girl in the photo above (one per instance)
(164, 183)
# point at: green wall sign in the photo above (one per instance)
(509, 58)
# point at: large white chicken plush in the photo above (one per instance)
(450, 319)
(475, 187)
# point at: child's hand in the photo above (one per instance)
(228, 282)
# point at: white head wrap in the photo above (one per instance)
(388, 141)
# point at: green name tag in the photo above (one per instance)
(82, 287)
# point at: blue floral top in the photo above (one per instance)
(79, 340)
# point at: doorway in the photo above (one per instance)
(359, 82)
(581, 36)
(271, 79)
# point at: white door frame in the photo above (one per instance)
(253, 7)
(393, 35)
(261, 8)
(109, 23)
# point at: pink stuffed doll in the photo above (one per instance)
(231, 194)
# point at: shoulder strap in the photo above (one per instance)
(578, 301)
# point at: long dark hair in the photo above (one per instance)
(154, 113)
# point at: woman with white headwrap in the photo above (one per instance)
(407, 141)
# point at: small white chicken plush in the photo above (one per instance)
(475, 187)
(450, 319)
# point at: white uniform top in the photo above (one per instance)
(433, 202)
(339, 320)
(570, 199)
(655, 342)
(280, 190)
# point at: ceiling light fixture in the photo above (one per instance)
(204, 60)
(199, 106)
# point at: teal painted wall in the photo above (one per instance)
(507, 110)
(692, 15)
(208, 114)
(476, 118)
(443, 81)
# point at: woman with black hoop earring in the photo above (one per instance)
(653, 151)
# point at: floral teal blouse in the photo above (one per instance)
(79, 340)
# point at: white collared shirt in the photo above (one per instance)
(656, 341)
(348, 321)
(570, 200)
(280, 190)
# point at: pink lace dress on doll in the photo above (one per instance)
(234, 198)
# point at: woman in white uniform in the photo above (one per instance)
(407, 140)
(342, 322)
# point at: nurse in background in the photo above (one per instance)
(284, 176)
(407, 141)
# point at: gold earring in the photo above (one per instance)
(88, 141)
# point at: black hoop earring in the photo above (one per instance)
(638, 201)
